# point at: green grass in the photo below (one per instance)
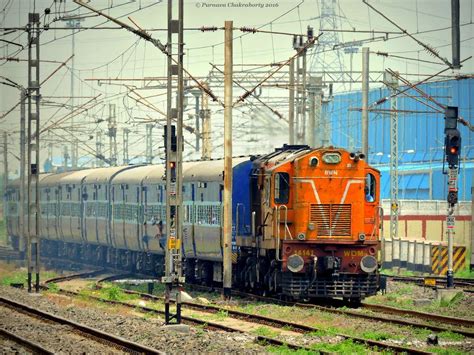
(115, 293)
(266, 332)
(53, 287)
(447, 335)
(343, 347)
(465, 273)
(22, 277)
(438, 350)
(3, 232)
(286, 350)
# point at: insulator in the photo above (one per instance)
(209, 29)
(248, 29)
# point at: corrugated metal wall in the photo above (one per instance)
(421, 137)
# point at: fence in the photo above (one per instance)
(420, 256)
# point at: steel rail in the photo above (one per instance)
(278, 323)
(428, 316)
(391, 310)
(38, 349)
(189, 320)
(124, 344)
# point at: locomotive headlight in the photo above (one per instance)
(368, 264)
(295, 263)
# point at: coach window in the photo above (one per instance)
(282, 187)
(369, 189)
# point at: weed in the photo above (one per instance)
(53, 287)
(222, 314)
(448, 335)
(286, 350)
(377, 335)
(266, 332)
(343, 347)
(438, 350)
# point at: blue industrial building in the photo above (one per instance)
(420, 137)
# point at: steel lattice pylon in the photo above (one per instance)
(320, 58)
(392, 83)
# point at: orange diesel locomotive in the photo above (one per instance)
(315, 225)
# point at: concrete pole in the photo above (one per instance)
(227, 258)
(303, 98)
(206, 127)
(5, 164)
(455, 34)
(311, 118)
(365, 102)
(472, 225)
(291, 103)
(22, 166)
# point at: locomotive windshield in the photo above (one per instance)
(282, 187)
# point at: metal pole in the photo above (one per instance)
(206, 127)
(450, 221)
(227, 250)
(303, 99)
(98, 149)
(149, 143)
(5, 162)
(174, 159)
(112, 135)
(291, 114)
(311, 118)
(392, 83)
(455, 34)
(365, 102)
(74, 139)
(198, 118)
(33, 145)
(472, 224)
(126, 159)
(22, 167)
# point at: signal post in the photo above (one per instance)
(174, 175)
(452, 151)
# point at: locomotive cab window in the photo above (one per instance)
(282, 187)
(369, 189)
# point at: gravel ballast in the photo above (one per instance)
(144, 330)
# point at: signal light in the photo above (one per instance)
(452, 140)
(172, 164)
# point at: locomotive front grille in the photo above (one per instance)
(331, 219)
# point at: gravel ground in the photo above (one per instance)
(60, 339)
(146, 330)
(10, 347)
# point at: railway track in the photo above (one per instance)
(466, 284)
(27, 344)
(434, 318)
(263, 320)
(74, 329)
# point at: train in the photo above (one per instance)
(305, 221)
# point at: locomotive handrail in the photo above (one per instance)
(277, 233)
(278, 222)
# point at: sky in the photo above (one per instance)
(118, 54)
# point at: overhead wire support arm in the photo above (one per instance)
(300, 51)
(427, 47)
(381, 101)
(156, 42)
(280, 116)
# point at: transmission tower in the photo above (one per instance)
(323, 57)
